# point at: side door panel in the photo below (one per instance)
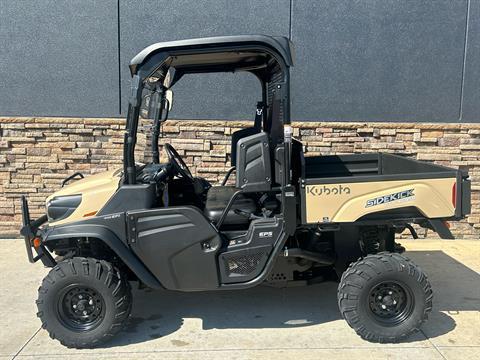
(178, 245)
(245, 259)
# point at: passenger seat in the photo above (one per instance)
(217, 200)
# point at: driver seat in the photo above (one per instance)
(217, 200)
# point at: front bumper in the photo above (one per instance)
(29, 231)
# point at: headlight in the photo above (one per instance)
(61, 207)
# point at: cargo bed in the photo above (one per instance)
(348, 188)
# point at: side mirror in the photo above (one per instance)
(145, 107)
(169, 99)
(153, 108)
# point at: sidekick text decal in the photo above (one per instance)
(401, 195)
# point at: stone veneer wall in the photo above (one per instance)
(37, 153)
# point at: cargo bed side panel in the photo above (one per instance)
(350, 201)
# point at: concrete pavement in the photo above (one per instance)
(300, 323)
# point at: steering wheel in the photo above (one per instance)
(177, 162)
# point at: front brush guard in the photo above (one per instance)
(28, 231)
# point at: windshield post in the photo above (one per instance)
(130, 137)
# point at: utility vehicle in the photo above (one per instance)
(289, 218)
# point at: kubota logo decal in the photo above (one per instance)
(319, 190)
(404, 195)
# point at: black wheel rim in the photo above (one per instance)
(80, 308)
(390, 302)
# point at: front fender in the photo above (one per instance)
(110, 239)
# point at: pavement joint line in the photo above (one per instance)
(434, 346)
(458, 346)
(26, 343)
(19, 355)
(225, 350)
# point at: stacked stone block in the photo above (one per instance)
(37, 153)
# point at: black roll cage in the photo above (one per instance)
(268, 58)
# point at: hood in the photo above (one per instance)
(95, 191)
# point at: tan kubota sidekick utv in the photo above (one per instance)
(288, 218)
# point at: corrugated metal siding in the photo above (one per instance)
(371, 60)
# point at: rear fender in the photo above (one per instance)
(441, 229)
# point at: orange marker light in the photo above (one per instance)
(447, 224)
(90, 214)
(37, 242)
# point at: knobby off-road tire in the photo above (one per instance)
(384, 297)
(83, 302)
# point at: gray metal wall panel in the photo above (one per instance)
(471, 92)
(393, 60)
(58, 58)
(209, 96)
(378, 60)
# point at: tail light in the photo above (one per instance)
(454, 195)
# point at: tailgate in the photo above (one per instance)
(463, 204)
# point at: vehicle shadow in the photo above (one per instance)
(159, 313)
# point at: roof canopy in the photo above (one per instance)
(215, 54)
